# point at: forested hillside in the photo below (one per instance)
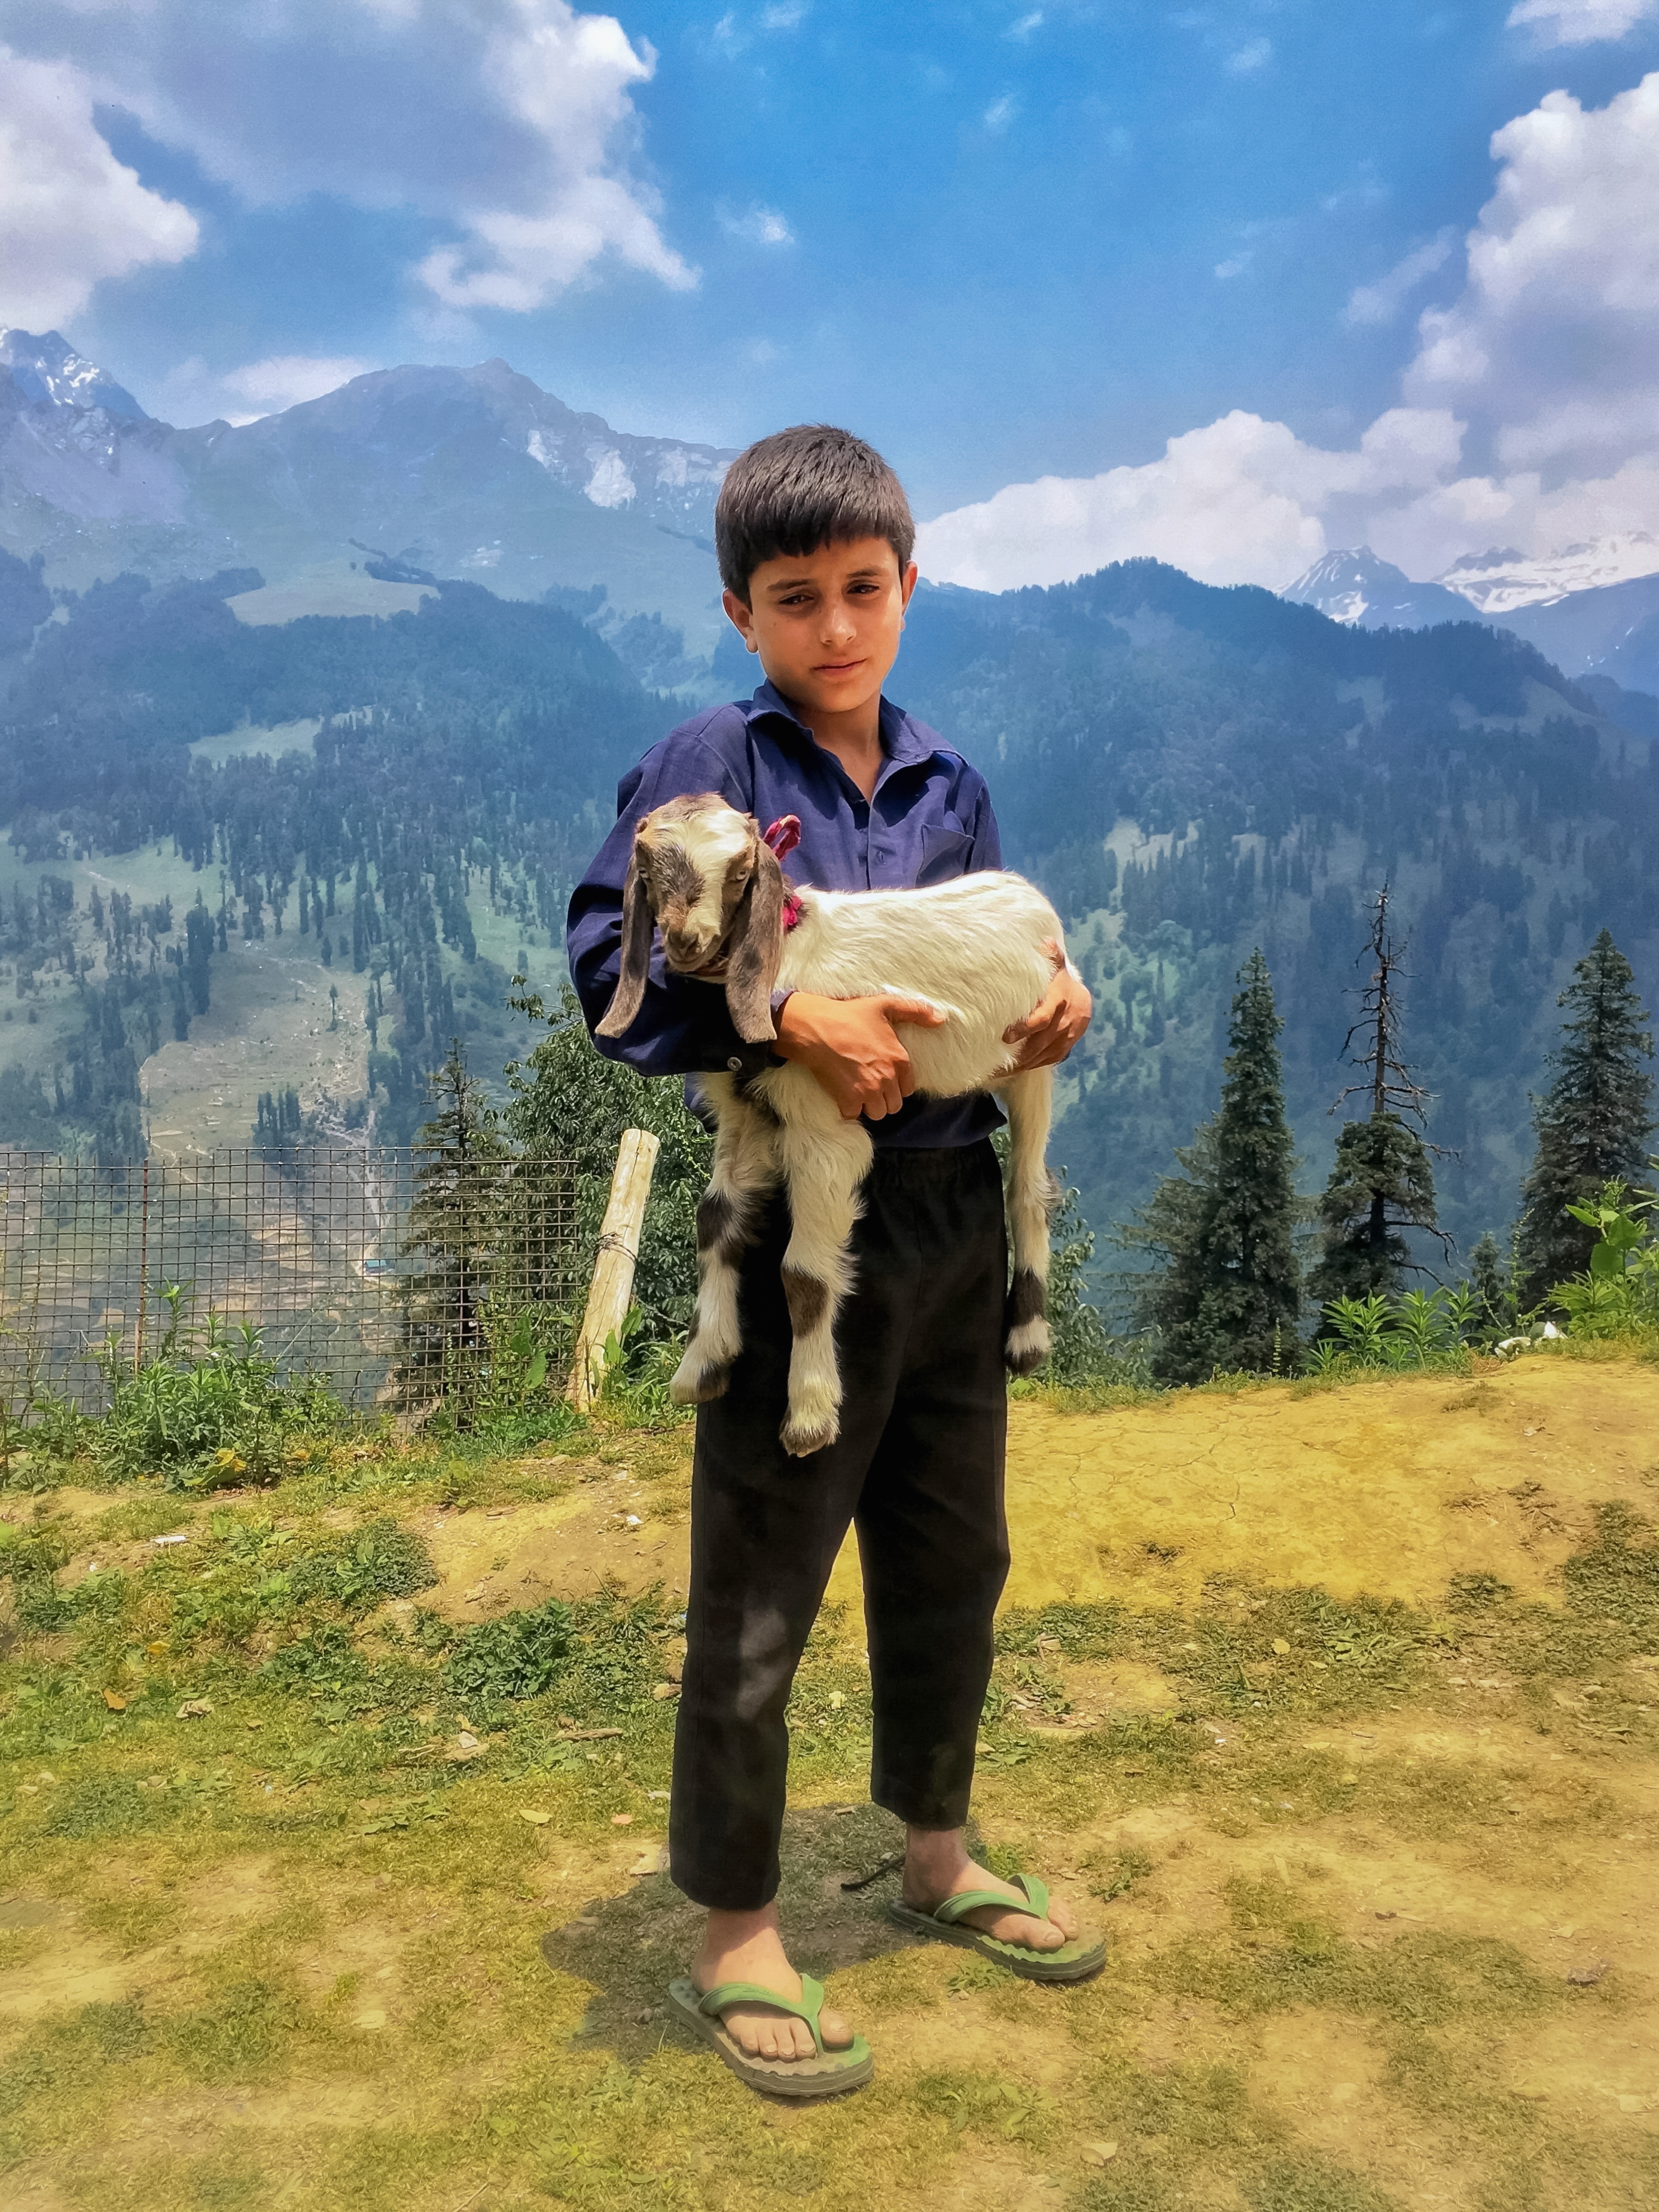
(1259, 771)
(1187, 771)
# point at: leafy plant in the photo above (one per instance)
(518, 1656)
(379, 1561)
(1618, 1294)
(208, 1409)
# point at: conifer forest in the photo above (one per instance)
(1383, 894)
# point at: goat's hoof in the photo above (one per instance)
(802, 1438)
(697, 1383)
(1027, 1347)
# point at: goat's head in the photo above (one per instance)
(703, 874)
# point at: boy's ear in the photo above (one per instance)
(637, 924)
(752, 963)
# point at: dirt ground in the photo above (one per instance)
(1334, 1708)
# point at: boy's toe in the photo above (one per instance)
(1022, 1928)
(838, 2031)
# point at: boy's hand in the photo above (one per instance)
(1049, 1032)
(850, 1046)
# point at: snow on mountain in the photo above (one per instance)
(1358, 587)
(1500, 580)
(47, 372)
(458, 472)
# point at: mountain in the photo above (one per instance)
(471, 472)
(1611, 631)
(1360, 587)
(47, 372)
(1607, 627)
(1500, 581)
(1188, 772)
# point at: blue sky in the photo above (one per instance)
(1007, 242)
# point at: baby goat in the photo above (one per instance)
(978, 948)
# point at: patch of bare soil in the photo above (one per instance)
(601, 1529)
(1389, 1488)
(1325, 2079)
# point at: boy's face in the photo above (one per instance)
(826, 624)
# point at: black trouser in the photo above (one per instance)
(918, 1468)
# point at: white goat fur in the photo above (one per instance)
(977, 949)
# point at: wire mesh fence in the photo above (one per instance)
(394, 1278)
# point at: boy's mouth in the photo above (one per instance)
(837, 667)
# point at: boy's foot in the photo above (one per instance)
(927, 1882)
(760, 2030)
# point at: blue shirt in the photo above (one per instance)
(929, 820)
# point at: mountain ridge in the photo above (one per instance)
(470, 471)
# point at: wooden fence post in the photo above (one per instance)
(612, 1287)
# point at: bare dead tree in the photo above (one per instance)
(1383, 1182)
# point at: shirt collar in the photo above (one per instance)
(900, 739)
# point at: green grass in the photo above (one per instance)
(311, 1853)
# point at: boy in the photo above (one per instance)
(814, 536)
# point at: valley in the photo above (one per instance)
(422, 743)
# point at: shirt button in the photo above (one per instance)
(734, 1066)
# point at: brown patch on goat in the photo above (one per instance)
(673, 878)
(808, 1299)
(717, 1216)
(683, 808)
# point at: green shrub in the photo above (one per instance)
(1618, 1295)
(517, 1656)
(208, 1410)
(378, 1561)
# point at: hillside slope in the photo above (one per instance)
(1187, 771)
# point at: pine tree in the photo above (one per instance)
(1593, 1122)
(1494, 1300)
(451, 1227)
(1228, 1294)
(1382, 1184)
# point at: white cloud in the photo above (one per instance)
(1382, 302)
(1239, 501)
(1235, 267)
(760, 225)
(510, 122)
(1578, 22)
(1248, 58)
(1000, 112)
(287, 380)
(1539, 383)
(1023, 26)
(70, 213)
(1554, 341)
(784, 15)
(192, 393)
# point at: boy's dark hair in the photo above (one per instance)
(801, 488)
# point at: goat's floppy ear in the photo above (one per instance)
(638, 922)
(757, 937)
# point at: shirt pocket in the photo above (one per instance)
(944, 855)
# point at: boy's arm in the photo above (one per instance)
(683, 1027)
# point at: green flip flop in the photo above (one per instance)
(1074, 1962)
(826, 2074)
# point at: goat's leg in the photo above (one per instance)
(1031, 1195)
(728, 1218)
(824, 1162)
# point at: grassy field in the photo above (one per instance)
(325, 1886)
